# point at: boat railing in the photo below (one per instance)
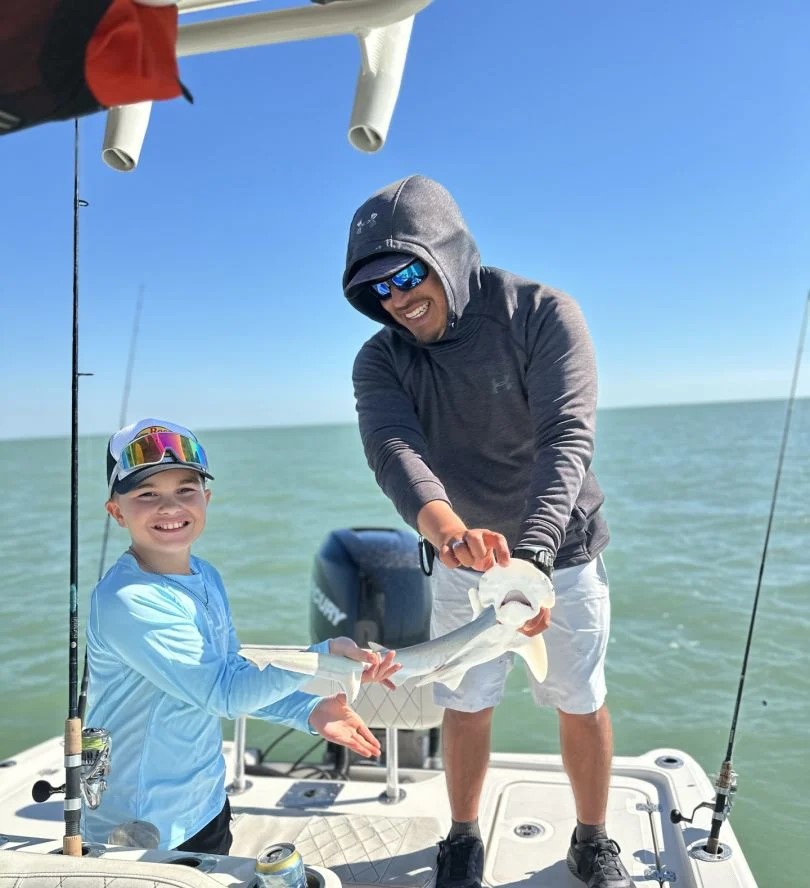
(383, 30)
(409, 707)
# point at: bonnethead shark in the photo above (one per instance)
(505, 599)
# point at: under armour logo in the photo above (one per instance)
(371, 222)
(501, 384)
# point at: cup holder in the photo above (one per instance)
(206, 863)
(314, 880)
(185, 861)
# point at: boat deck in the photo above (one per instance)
(349, 832)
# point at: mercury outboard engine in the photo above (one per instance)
(367, 583)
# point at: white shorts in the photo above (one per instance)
(576, 641)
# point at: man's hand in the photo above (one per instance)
(475, 547)
(337, 722)
(537, 624)
(457, 544)
(378, 668)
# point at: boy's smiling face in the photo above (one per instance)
(164, 515)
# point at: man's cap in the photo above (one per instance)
(130, 433)
(380, 268)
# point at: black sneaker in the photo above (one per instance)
(597, 863)
(461, 863)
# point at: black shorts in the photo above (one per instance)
(215, 837)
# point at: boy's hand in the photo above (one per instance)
(337, 722)
(378, 668)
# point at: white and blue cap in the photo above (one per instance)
(149, 446)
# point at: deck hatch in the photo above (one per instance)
(310, 794)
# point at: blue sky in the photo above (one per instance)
(653, 160)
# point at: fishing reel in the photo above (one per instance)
(676, 816)
(726, 786)
(96, 755)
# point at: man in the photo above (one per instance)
(477, 407)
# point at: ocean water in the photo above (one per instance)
(688, 494)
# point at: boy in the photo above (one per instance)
(163, 655)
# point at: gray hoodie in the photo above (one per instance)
(497, 417)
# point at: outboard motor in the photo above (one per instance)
(367, 584)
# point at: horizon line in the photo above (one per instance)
(344, 423)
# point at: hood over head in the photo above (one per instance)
(414, 217)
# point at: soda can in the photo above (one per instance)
(280, 866)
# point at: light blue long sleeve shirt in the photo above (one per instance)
(164, 667)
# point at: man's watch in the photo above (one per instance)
(539, 556)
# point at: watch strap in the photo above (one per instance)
(540, 557)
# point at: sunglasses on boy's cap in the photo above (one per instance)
(407, 269)
(150, 446)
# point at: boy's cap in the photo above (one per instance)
(380, 268)
(125, 436)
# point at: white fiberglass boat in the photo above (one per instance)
(377, 824)
(355, 823)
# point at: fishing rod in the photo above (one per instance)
(726, 785)
(122, 418)
(87, 751)
(72, 840)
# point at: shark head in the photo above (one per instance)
(518, 582)
(517, 592)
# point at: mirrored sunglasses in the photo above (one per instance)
(149, 450)
(406, 279)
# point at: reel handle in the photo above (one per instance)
(41, 791)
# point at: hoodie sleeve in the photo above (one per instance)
(392, 436)
(561, 390)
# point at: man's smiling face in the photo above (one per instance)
(422, 310)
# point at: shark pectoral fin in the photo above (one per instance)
(533, 651)
(342, 670)
(446, 675)
(380, 649)
(453, 680)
